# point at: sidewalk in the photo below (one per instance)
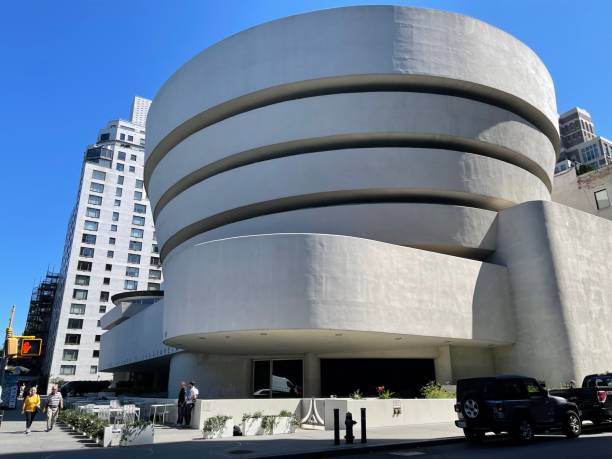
(14, 440)
(310, 442)
(171, 443)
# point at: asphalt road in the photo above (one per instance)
(594, 444)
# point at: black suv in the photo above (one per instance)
(517, 405)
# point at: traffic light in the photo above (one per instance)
(30, 347)
(11, 346)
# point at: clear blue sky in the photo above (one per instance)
(70, 66)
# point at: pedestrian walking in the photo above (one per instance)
(53, 405)
(31, 405)
(181, 404)
(191, 395)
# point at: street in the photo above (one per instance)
(593, 444)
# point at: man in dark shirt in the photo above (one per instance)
(181, 404)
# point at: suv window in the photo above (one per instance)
(599, 381)
(533, 388)
(514, 390)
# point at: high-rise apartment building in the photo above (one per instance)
(580, 143)
(110, 247)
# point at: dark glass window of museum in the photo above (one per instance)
(281, 378)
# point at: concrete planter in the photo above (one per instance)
(252, 426)
(226, 432)
(138, 436)
(282, 425)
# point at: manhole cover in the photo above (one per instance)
(240, 451)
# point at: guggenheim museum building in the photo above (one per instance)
(359, 197)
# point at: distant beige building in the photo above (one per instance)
(587, 192)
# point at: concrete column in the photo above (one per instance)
(312, 375)
(443, 367)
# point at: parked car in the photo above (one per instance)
(517, 405)
(594, 398)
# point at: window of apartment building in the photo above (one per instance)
(98, 175)
(93, 369)
(67, 370)
(98, 324)
(97, 339)
(95, 200)
(135, 245)
(120, 180)
(112, 240)
(115, 216)
(110, 253)
(138, 195)
(95, 353)
(138, 220)
(84, 265)
(108, 267)
(140, 208)
(106, 281)
(154, 274)
(139, 184)
(132, 169)
(130, 285)
(79, 294)
(113, 228)
(117, 203)
(118, 191)
(70, 355)
(137, 232)
(72, 339)
(133, 157)
(130, 138)
(75, 324)
(77, 308)
(155, 261)
(87, 252)
(88, 238)
(102, 309)
(154, 248)
(130, 271)
(121, 155)
(92, 213)
(96, 187)
(104, 137)
(104, 296)
(81, 280)
(120, 167)
(133, 258)
(601, 199)
(91, 226)
(122, 137)
(152, 286)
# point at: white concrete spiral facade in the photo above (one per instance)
(359, 130)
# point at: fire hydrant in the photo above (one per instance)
(349, 423)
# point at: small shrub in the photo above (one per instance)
(357, 395)
(255, 415)
(434, 390)
(267, 423)
(288, 414)
(214, 425)
(384, 393)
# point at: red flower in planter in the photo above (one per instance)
(380, 388)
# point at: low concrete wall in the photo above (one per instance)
(380, 413)
(205, 409)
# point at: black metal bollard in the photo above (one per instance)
(336, 426)
(349, 423)
(364, 438)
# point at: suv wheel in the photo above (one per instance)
(524, 431)
(471, 408)
(572, 426)
(473, 436)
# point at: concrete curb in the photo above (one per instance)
(358, 449)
